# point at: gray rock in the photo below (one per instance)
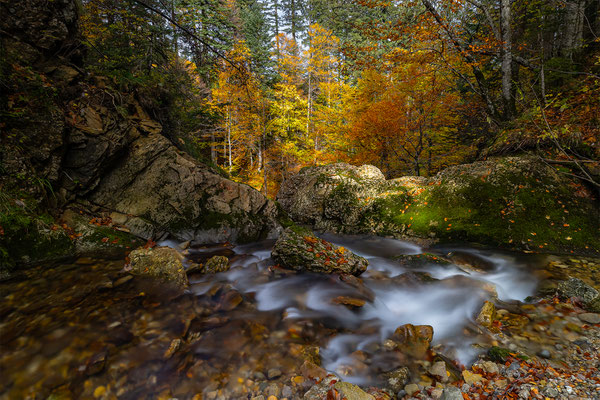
(327, 197)
(286, 391)
(545, 354)
(352, 392)
(397, 379)
(451, 393)
(590, 318)
(438, 369)
(490, 367)
(549, 391)
(273, 390)
(189, 200)
(163, 263)
(343, 198)
(575, 287)
(273, 373)
(300, 249)
(411, 389)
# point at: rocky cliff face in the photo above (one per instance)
(70, 141)
(516, 202)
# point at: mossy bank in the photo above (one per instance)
(511, 202)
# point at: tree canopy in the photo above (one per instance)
(262, 88)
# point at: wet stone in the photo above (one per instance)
(352, 392)
(273, 373)
(411, 389)
(122, 280)
(438, 369)
(545, 354)
(590, 318)
(350, 302)
(216, 264)
(397, 379)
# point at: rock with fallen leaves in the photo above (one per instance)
(299, 249)
(413, 340)
(578, 289)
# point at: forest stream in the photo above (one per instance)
(91, 330)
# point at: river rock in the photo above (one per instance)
(411, 389)
(216, 264)
(471, 377)
(310, 370)
(327, 197)
(590, 318)
(397, 379)
(163, 263)
(452, 393)
(352, 392)
(575, 287)
(470, 261)
(438, 370)
(413, 340)
(350, 302)
(300, 249)
(487, 314)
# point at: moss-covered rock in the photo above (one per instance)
(216, 264)
(514, 202)
(162, 263)
(98, 236)
(298, 248)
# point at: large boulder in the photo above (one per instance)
(331, 196)
(517, 202)
(156, 188)
(301, 250)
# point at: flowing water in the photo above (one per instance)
(88, 329)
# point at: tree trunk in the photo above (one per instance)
(276, 19)
(482, 84)
(507, 62)
(572, 31)
(229, 138)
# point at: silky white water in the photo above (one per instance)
(449, 302)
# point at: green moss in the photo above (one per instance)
(28, 234)
(107, 237)
(498, 354)
(515, 210)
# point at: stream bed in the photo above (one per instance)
(88, 329)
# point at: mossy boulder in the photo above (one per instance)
(163, 263)
(578, 289)
(216, 264)
(512, 202)
(329, 197)
(99, 235)
(299, 249)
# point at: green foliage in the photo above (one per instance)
(28, 233)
